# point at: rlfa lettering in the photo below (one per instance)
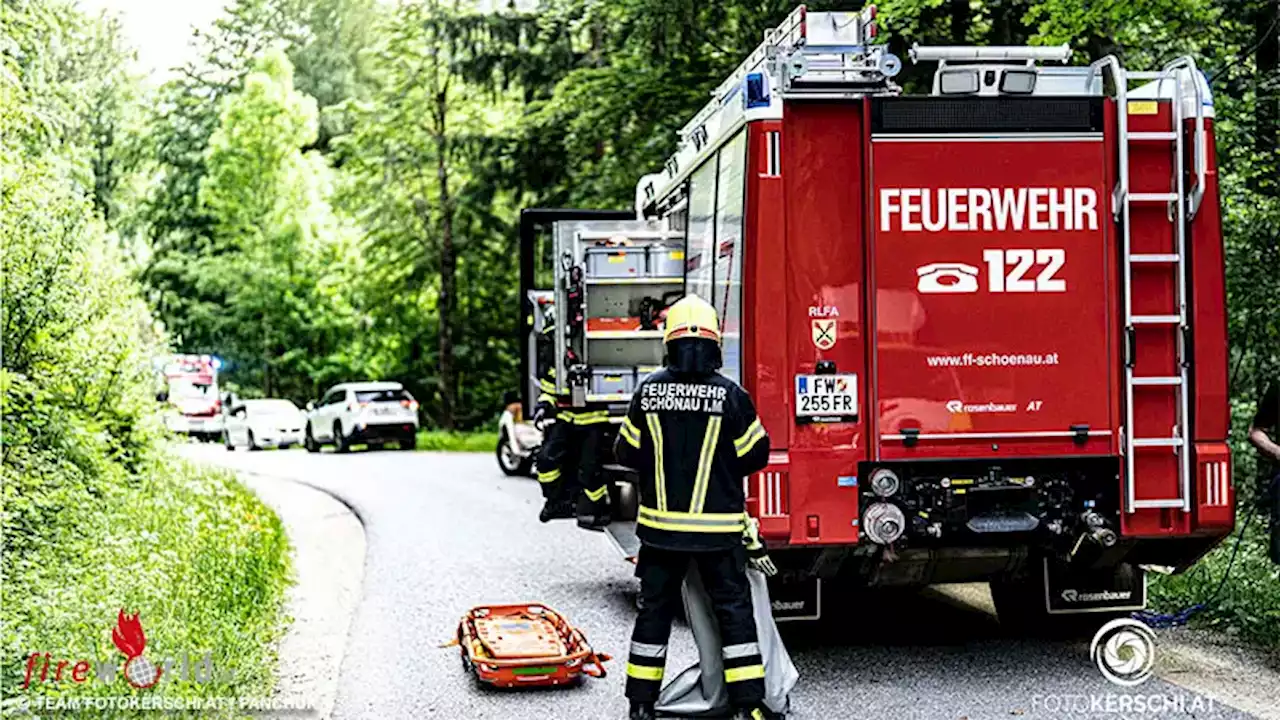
(988, 209)
(658, 397)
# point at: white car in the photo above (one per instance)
(364, 413)
(256, 424)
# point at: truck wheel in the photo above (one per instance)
(340, 442)
(508, 460)
(309, 441)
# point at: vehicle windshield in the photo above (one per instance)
(185, 389)
(369, 396)
(271, 407)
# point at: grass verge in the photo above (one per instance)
(199, 557)
(482, 441)
(1246, 605)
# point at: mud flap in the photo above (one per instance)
(1071, 590)
(795, 596)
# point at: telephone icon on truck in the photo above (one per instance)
(947, 278)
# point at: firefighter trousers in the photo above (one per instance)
(551, 459)
(570, 459)
(724, 576)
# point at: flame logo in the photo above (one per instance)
(129, 638)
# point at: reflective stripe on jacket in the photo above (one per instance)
(692, 438)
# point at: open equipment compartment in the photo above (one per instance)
(613, 281)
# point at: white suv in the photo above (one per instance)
(367, 413)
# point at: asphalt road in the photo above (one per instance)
(447, 531)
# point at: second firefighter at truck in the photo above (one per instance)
(569, 457)
(692, 434)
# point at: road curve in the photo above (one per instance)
(448, 531)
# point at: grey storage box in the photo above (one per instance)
(644, 371)
(615, 262)
(666, 261)
(613, 380)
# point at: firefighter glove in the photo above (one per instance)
(543, 412)
(757, 553)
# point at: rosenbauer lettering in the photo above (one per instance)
(988, 209)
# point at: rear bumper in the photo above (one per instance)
(363, 432)
(194, 425)
(948, 509)
(277, 438)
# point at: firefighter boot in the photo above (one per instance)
(758, 713)
(593, 509)
(641, 711)
(556, 509)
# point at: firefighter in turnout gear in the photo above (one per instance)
(588, 434)
(692, 434)
(569, 456)
(557, 503)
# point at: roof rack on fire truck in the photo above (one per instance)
(810, 54)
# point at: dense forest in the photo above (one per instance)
(330, 190)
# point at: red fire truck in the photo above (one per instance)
(984, 327)
(190, 391)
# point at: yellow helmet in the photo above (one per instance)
(692, 317)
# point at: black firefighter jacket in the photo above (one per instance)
(693, 438)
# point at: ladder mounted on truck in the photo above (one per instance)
(810, 55)
(1181, 206)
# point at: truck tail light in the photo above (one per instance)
(411, 404)
(1215, 494)
(811, 526)
(769, 489)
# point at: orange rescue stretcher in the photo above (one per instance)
(526, 645)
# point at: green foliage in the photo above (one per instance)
(94, 517)
(447, 441)
(436, 224)
(206, 301)
(1241, 593)
(254, 160)
(276, 235)
(197, 554)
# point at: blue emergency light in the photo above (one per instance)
(757, 94)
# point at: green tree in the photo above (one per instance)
(325, 37)
(408, 165)
(273, 225)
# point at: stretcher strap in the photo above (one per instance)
(595, 658)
